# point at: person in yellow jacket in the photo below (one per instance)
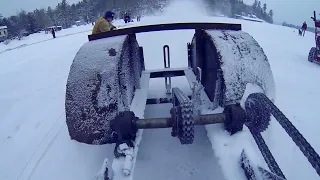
(103, 24)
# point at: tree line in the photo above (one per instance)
(231, 8)
(65, 14)
(258, 9)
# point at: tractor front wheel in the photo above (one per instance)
(312, 54)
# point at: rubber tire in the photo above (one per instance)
(312, 54)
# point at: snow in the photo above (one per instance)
(42, 37)
(34, 140)
(242, 62)
(92, 76)
(138, 107)
(3, 27)
(254, 18)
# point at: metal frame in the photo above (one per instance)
(165, 27)
(184, 114)
(182, 127)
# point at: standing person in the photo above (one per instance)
(138, 17)
(53, 33)
(126, 17)
(304, 28)
(104, 24)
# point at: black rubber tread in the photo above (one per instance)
(312, 54)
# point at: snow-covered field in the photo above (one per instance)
(34, 141)
(42, 36)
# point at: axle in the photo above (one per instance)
(155, 123)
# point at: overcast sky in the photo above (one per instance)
(11, 7)
(292, 11)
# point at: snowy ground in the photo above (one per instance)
(42, 36)
(34, 139)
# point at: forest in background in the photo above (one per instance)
(87, 11)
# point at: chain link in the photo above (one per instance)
(296, 136)
(266, 153)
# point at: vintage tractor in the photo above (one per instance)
(314, 53)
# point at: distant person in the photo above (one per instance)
(53, 33)
(304, 28)
(104, 24)
(138, 18)
(127, 18)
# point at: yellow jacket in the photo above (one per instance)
(102, 25)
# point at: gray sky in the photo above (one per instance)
(292, 11)
(11, 7)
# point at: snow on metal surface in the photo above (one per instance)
(138, 107)
(242, 61)
(93, 90)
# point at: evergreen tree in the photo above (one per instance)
(271, 15)
(42, 18)
(31, 26)
(52, 16)
(63, 13)
(265, 8)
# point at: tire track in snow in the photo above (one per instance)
(41, 149)
(26, 45)
(70, 34)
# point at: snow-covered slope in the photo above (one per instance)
(34, 141)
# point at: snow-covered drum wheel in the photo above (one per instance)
(103, 78)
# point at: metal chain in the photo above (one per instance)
(296, 136)
(266, 153)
